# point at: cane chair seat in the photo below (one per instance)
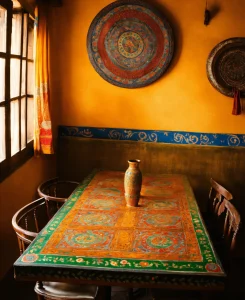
(27, 222)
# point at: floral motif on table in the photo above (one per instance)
(170, 244)
(85, 239)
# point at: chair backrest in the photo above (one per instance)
(56, 189)
(28, 221)
(232, 222)
(217, 194)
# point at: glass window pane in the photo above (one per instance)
(30, 39)
(14, 109)
(30, 78)
(24, 35)
(3, 23)
(16, 4)
(23, 78)
(16, 34)
(14, 77)
(2, 79)
(23, 123)
(30, 119)
(2, 134)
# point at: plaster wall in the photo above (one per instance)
(182, 99)
(16, 191)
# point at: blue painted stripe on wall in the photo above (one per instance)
(155, 136)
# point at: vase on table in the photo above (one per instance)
(132, 183)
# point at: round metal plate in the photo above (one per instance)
(226, 66)
(130, 44)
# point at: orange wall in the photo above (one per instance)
(182, 99)
(16, 191)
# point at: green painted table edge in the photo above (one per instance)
(31, 258)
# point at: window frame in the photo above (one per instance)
(11, 163)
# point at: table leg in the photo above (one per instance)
(108, 293)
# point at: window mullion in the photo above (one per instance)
(7, 82)
(13, 156)
(21, 55)
(27, 37)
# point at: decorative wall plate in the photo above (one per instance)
(226, 66)
(130, 44)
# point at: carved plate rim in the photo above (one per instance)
(212, 72)
(153, 9)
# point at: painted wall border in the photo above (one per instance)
(155, 136)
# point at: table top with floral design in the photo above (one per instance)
(95, 230)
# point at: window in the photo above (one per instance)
(16, 86)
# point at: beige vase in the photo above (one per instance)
(132, 183)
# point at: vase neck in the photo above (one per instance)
(134, 163)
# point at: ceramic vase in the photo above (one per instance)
(132, 183)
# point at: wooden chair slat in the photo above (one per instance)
(36, 221)
(56, 189)
(223, 221)
(217, 194)
(35, 214)
(234, 222)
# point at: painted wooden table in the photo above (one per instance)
(95, 238)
